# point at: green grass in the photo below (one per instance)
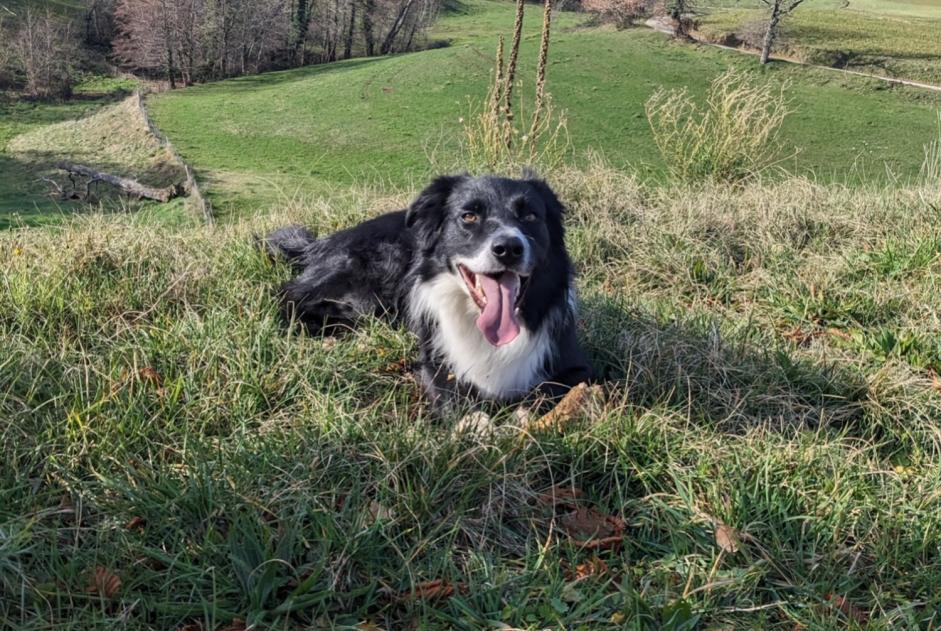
(22, 198)
(92, 131)
(864, 37)
(263, 138)
(767, 351)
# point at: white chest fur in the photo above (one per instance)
(500, 372)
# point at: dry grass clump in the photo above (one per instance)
(499, 137)
(931, 167)
(735, 136)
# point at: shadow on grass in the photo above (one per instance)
(731, 386)
(34, 192)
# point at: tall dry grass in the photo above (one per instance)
(931, 167)
(734, 136)
(502, 136)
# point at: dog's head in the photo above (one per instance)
(492, 233)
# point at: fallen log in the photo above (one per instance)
(129, 186)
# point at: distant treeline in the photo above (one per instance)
(188, 41)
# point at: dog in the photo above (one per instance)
(476, 267)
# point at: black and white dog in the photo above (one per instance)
(476, 267)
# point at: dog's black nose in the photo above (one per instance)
(508, 250)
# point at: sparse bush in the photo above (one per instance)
(752, 33)
(621, 13)
(43, 52)
(931, 167)
(733, 137)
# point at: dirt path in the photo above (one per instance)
(663, 26)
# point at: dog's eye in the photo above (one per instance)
(530, 217)
(470, 218)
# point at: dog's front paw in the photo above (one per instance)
(477, 424)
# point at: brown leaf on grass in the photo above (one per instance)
(848, 609)
(594, 566)
(604, 543)
(399, 367)
(432, 590)
(369, 625)
(591, 529)
(798, 336)
(569, 408)
(190, 626)
(561, 495)
(150, 375)
(136, 523)
(103, 583)
(237, 624)
(727, 538)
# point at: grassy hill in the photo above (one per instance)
(886, 38)
(265, 138)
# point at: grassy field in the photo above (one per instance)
(395, 120)
(894, 39)
(765, 455)
(172, 459)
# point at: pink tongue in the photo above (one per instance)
(498, 320)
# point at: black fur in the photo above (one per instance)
(371, 270)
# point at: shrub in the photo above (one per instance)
(733, 137)
(621, 13)
(43, 52)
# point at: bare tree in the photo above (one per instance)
(680, 11)
(779, 9)
(43, 50)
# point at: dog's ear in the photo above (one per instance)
(426, 213)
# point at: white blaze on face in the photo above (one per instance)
(495, 290)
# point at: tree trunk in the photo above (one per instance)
(369, 6)
(771, 33)
(389, 40)
(348, 44)
(129, 186)
(302, 25)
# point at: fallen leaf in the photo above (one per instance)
(150, 375)
(237, 624)
(585, 521)
(103, 583)
(136, 523)
(798, 336)
(618, 617)
(369, 625)
(591, 529)
(432, 590)
(563, 495)
(190, 626)
(727, 538)
(592, 567)
(395, 368)
(848, 609)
